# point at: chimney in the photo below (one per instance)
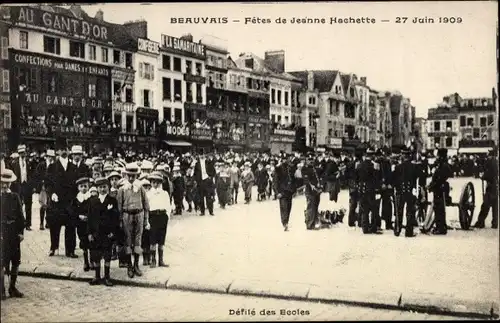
(275, 60)
(363, 80)
(99, 15)
(76, 10)
(187, 37)
(137, 29)
(310, 81)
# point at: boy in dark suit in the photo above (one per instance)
(103, 225)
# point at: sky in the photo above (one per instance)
(423, 61)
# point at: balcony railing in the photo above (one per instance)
(476, 143)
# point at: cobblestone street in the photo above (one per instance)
(50, 300)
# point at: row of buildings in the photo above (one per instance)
(462, 125)
(69, 77)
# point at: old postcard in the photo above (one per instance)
(263, 161)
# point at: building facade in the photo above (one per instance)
(442, 128)
(364, 114)
(60, 75)
(5, 106)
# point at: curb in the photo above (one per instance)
(426, 303)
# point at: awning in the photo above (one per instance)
(474, 150)
(177, 143)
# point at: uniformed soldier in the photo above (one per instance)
(313, 189)
(423, 174)
(405, 176)
(386, 189)
(438, 188)
(353, 182)
(490, 198)
(285, 188)
(369, 188)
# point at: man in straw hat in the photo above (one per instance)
(12, 232)
(24, 186)
(82, 170)
(134, 209)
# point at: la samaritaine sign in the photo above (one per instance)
(183, 46)
(59, 23)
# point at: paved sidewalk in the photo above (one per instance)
(243, 250)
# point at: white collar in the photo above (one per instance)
(102, 197)
(82, 196)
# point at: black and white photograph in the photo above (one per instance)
(249, 161)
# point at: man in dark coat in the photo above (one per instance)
(353, 183)
(490, 198)
(61, 183)
(369, 188)
(387, 190)
(406, 175)
(313, 189)
(81, 169)
(285, 187)
(25, 184)
(204, 173)
(41, 184)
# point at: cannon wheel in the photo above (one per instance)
(466, 206)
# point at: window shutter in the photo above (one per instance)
(141, 67)
(152, 72)
(142, 97)
(151, 99)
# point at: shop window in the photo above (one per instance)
(104, 54)
(52, 45)
(92, 89)
(76, 49)
(462, 121)
(128, 60)
(23, 39)
(177, 64)
(449, 141)
(177, 90)
(102, 88)
(189, 67)
(117, 57)
(166, 62)
(92, 52)
(167, 92)
(34, 79)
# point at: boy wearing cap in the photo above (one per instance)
(159, 213)
(247, 182)
(103, 224)
(262, 179)
(79, 209)
(12, 232)
(191, 190)
(179, 187)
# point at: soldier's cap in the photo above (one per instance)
(82, 180)
(114, 174)
(101, 181)
(442, 152)
(108, 168)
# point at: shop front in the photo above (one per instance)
(334, 144)
(350, 145)
(282, 140)
(175, 137)
(147, 129)
(257, 134)
(202, 139)
(54, 97)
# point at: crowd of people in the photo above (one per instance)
(119, 205)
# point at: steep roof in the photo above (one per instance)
(323, 79)
(346, 81)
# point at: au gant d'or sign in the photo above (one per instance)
(58, 23)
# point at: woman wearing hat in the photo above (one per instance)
(12, 232)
